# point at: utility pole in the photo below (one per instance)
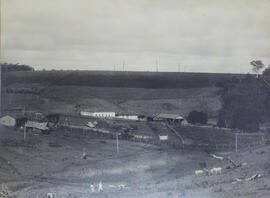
(24, 110)
(113, 67)
(117, 144)
(236, 143)
(0, 89)
(24, 133)
(124, 65)
(156, 65)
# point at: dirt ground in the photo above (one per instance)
(54, 163)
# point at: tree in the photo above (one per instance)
(246, 119)
(245, 104)
(266, 72)
(197, 117)
(6, 67)
(257, 65)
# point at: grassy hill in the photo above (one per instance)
(134, 92)
(120, 79)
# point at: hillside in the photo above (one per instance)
(126, 92)
(54, 163)
(120, 79)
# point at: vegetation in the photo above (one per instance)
(6, 67)
(197, 117)
(154, 80)
(245, 102)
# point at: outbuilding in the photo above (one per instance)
(168, 117)
(37, 126)
(13, 120)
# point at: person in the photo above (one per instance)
(92, 187)
(100, 187)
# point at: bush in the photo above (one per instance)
(197, 117)
(266, 72)
(246, 119)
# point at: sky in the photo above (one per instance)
(136, 35)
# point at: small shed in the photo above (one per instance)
(37, 126)
(8, 121)
(13, 120)
(168, 117)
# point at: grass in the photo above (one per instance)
(120, 79)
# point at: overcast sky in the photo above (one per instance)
(201, 36)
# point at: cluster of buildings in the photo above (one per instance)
(39, 122)
(34, 122)
(136, 117)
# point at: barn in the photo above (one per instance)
(13, 120)
(37, 126)
(168, 117)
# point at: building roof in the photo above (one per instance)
(127, 114)
(169, 116)
(7, 116)
(15, 116)
(37, 125)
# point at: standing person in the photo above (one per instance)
(92, 187)
(100, 187)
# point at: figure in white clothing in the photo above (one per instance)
(92, 187)
(100, 187)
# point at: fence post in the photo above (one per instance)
(236, 143)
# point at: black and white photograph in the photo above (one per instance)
(135, 99)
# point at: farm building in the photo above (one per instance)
(168, 117)
(13, 120)
(37, 126)
(98, 114)
(127, 116)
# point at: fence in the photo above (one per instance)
(171, 142)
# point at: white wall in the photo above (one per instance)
(99, 114)
(128, 117)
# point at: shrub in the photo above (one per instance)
(197, 117)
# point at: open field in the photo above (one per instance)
(53, 163)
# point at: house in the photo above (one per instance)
(98, 114)
(13, 120)
(127, 116)
(168, 117)
(37, 126)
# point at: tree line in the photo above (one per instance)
(7, 67)
(246, 102)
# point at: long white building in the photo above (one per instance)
(128, 116)
(98, 114)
